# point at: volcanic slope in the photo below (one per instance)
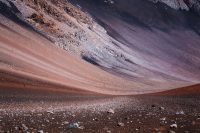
(145, 49)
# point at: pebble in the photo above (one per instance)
(95, 119)
(193, 122)
(161, 108)
(174, 126)
(170, 131)
(105, 128)
(126, 118)
(24, 127)
(180, 113)
(40, 131)
(163, 119)
(81, 127)
(50, 111)
(111, 111)
(16, 128)
(120, 124)
(65, 122)
(74, 125)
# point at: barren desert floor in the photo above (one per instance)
(38, 111)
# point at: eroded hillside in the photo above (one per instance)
(152, 44)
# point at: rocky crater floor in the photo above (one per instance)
(60, 113)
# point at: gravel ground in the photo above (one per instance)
(56, 113)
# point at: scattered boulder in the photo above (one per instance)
(109, 1)
(126, 118)
(163, 119)
(171, 131)
(180, 112)
(40, 131)
(161, 108)
(65, 122)
(111, 111)
(25, 128)
(18, 128)
(174, 126)
(107, 130)
(74, 125)
(37, 18)
(50, 111)
(95, 119)
(81, 127)
(120, 124)
(137, 129)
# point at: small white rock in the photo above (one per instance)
(24, 127)
(111, 111)
(161, 108)
(40, 131)
(170, 131)
(120, 124)
(50, 111)
(174, 126)
(81, 127)
(16, 128)
(180, 112)
(163, 119)
(65, 122)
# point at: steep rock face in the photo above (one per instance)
(61, 22)
(182, 4)
(176, 4)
